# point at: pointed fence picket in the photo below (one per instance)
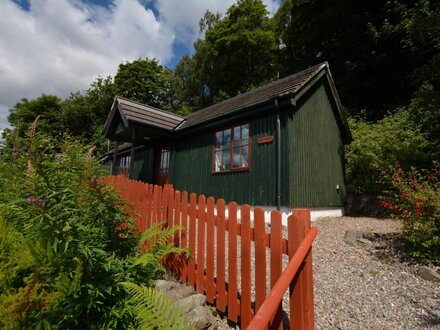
(215, 236)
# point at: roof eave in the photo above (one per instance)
(111, 115)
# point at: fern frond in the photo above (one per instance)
(154, 310)
(158, 234)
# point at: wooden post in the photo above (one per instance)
(245, 302)
(133, 135)
(115, 159)
(221, 287)
(260, 258)
(301, 288)
(276, 261)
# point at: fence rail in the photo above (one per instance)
(229, 253)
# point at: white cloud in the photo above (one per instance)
(182, 17)
(59, 46)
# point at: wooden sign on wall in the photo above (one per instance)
(265, 139)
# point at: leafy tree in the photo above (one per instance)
(377, 65)
(145, 81)
(237, 54)
(46, 107)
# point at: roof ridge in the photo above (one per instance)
(318, 67)
(117, 97)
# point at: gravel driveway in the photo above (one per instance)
(356, 290)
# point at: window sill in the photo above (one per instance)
(235, 170)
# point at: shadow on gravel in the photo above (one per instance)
(389, 248)
(431, 320)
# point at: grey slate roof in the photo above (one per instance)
(148, 115)
(292, 86)
(288, 85)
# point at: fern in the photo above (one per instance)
(154, 310)
(156, 239)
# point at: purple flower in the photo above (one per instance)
(41, 202)
(15, 152)
(31, 200)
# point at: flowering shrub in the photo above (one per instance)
(66, 241)
(415, 201)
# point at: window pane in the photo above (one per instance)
(237, 135)
(218, 139)
(245, 132)
(226, 138)
(218, 161)
(226, 164)
(236, 161)
(245, 156)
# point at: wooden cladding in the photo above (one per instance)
(216, 236)
(265, 139)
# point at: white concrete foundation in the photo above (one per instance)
(315, 213)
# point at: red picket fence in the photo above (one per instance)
(216, 236)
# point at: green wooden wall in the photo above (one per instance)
(143, 166)
(316, 154)
(191, 166)
(312, 160)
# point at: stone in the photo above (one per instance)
(351, 237)
(180, 291)
(369, 235)
(365, 241)
(189, 303)
(428, 274)
(165, 286)
(202, 318)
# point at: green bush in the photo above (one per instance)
(415, 201)
(377, 147)
(66, 241)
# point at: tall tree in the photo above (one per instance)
(46, 107)
(145, 81)
(365, 42)
(238, 53)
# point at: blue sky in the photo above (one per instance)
(61, 46)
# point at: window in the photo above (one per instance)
(232, 149)
(164, 161)
(124, 164)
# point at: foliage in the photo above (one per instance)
(46, 107)
(379, 64)
(153, 309)
(237, 54)
(377, 147)
(66, 241)
(145, 81)
(415, 200)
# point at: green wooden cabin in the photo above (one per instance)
(280, 145)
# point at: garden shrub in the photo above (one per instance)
(415, 201)
(377, 147)
(67, 242)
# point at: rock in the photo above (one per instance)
(428, 274)
(165, 286)
(202, 318)
(369, 235)
(365, 241)
(187, 304)
(357, 238)
(180, 291)
(351, 237)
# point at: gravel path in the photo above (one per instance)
(356, 290)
